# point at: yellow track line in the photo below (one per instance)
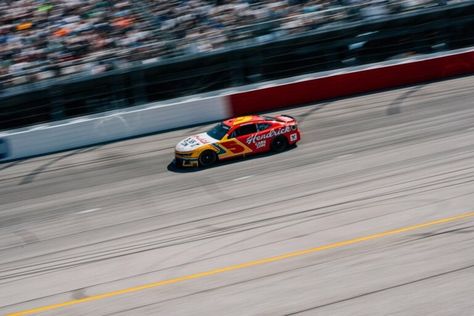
(242, 265)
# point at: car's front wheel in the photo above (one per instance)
(207, 158)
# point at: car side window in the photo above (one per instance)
(244, 130)
(263, 126)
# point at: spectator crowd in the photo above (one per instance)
(42, 39)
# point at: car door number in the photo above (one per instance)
(234, 147)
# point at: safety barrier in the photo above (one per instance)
(4, 153)
(138, 121)
(337, 85)
(43, 139)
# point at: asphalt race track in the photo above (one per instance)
(372, 214)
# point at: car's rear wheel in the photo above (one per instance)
(207, 158)
(279, 144)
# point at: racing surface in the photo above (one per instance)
(370, 215)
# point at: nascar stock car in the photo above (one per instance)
(237, 137)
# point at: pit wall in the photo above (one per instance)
(112, 126)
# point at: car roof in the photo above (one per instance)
(244, 119)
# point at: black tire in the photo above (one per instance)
(279, 144)
(207, 158)
(178, 163)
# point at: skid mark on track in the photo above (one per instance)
(395, 106)
(245, 265)
(32, 175)
(191, 236)
(9, 165)
(311, 110)
(382, 290)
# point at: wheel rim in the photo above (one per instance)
(279, 144)
(207, 158)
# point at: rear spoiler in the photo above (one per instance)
(285, 118)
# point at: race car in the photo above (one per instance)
(236, 137)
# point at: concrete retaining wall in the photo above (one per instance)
(43, 139)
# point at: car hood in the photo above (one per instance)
(193, 142)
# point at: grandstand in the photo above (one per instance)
(48, 39)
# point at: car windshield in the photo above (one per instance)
(218, 131)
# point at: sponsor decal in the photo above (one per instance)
(202, 140)
(190, 142)
(293, 137)
(220, 150)
(3, 148)
(261, 144)
(257, 138)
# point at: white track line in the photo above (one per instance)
(89, 211)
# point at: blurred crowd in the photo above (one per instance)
(42, 39)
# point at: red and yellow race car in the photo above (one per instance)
(236, 137)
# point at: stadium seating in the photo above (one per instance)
(48, 39)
